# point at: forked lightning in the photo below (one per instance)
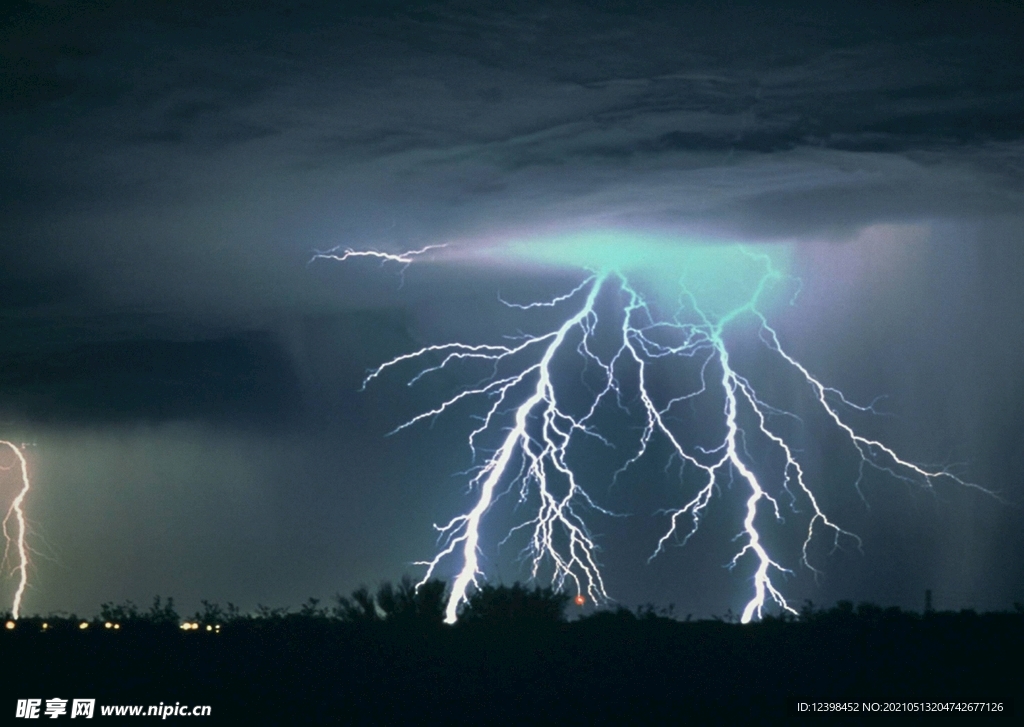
(524, 412)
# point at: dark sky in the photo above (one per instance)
(187, 381)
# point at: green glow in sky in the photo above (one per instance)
(721, 276)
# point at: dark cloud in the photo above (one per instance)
(239, 382)
(437, 92)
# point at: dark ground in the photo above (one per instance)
(619, 667)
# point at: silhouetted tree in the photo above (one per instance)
(120, 613)
(729, 617)
(268, 612)
(513, 605)
(312, 609)
(357, 608)
(402, 604)
(213, 613)
(162, 613)
(648, 612)
(408, 604)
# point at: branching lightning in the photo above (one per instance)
(405, 258)
(526, 412)
(15, 520)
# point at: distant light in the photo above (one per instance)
(209, 628)
(9, 625)
(84, 625)
(117, 626)
(108, 625)
(46, 626)
(580, 600)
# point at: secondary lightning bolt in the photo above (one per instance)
(532, 453)
(405, 258)
(16, 512)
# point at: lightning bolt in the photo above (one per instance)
(16, 512)
(529, 415)
(405, 258)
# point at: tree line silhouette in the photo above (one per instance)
(401, 604)
(385, 656)
(408, 604)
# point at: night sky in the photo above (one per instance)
(186, 378)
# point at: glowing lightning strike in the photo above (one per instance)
(532, 453)
(406, 258)
(17, 512)
(540, 455)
